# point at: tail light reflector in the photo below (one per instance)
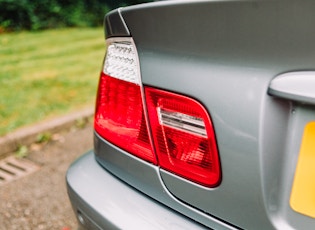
(184, 136)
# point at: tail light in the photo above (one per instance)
(184, 136)
(119, 114)
(182, 132)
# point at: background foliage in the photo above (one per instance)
(46, 14)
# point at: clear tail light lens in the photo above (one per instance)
(184, 136)
(182, 132)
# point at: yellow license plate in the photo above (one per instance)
(303, 190)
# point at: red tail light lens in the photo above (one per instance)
(119, 115)
(184, 136)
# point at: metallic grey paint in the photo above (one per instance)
(295, 86)
(146, 177)
(113, 204)
(227, 55)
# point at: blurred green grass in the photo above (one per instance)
(48, 73)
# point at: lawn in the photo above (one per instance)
(46, 74)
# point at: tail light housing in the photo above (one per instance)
(119, 113)
(184, 136)
(167, 129)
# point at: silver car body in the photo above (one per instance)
(250, 63)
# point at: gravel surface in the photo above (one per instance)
(39, 200)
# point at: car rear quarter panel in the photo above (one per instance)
(225, 54)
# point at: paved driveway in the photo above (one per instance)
(39, 200)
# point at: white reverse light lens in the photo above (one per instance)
(182, 122)
(121, 62)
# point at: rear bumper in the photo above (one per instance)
(101, 201)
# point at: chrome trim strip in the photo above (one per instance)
(182, 122)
